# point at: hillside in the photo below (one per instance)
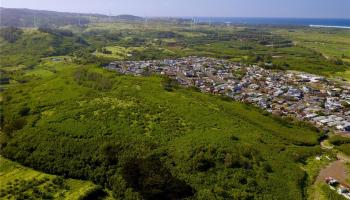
(39, 18)
(121, 131)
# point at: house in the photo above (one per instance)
(294, 93)
(278, 92)
(311, 115)
(344, 127)
(334, 92)
(189, 73)
(333, 104)
(112, 65)
(254, 86)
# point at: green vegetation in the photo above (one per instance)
(147, 137)
(32, 45)
(339, 140)
(102, 43)
(18, 182)
(331, 44)
(80, 122)
(331, 194)
(341, 143)
(348, 166)
(312, 168)
(11, 34)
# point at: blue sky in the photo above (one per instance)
(213, 8)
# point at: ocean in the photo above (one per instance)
(336, 23)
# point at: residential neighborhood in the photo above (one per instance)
(324, 103)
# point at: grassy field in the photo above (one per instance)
(330, 42)
(21, 182)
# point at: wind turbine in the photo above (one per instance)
(146, 22)
(109, 17)
(90, 19)
(192, 22)
(34, 22)
(79, 22)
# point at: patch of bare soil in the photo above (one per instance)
(337, 170)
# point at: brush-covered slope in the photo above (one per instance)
(134, 137)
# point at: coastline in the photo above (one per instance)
(326, 26)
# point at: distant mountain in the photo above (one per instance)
(36, 18)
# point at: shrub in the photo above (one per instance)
(14, 125)
(169, 84)
(11, 34)
(92, 79)
(24, 111)
(339, 140)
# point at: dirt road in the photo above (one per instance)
(337, 170)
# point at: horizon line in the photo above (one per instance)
(177, 16)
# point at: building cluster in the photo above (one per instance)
(305, 96)
(335, 185)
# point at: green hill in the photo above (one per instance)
(28, 46)
(41, 18)
(134, 137)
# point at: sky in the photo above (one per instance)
(187, 8)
